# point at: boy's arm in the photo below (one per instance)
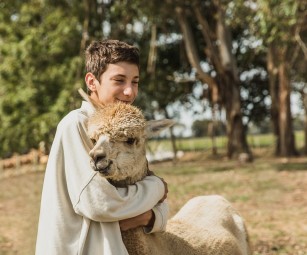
(100, 201)
(161, 211)
(91, 195)
(152, 221)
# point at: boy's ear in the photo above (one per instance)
(89, 99)
(154, 127)
(90, 81)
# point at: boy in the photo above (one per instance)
(81, 213)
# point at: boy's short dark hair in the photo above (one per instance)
(101, 53)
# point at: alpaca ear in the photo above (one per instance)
(88, 99)
(154, 127)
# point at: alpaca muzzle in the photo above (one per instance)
(102, 166)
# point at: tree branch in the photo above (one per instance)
(211, 52)
(224, 37)
(192, 52)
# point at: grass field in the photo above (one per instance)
(270, 193)
(205, 143)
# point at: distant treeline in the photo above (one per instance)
(240, 59)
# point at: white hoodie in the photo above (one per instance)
(80, 209)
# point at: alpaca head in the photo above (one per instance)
(119, 132)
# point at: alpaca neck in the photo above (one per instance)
(142, 173)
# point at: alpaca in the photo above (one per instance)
(205, 225)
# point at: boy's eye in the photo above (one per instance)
(130, 141)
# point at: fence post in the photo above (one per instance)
(17, 163)
(35, 160)
(1, 167)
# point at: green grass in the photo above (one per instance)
(205, 143)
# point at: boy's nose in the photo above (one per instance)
(128, 91)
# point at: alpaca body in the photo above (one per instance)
(205, 225)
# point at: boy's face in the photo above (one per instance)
(118, 83)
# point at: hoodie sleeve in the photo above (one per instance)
(91, 195)
(161, 212)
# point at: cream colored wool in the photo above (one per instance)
(118, 121)
(205, 225)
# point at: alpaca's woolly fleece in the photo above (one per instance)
(206, 225)
(119, 121)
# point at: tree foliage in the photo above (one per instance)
(38, 66)
(42, 44)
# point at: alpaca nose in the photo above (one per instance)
(97, 155)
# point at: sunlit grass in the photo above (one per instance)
(205, 143)
(269, 193)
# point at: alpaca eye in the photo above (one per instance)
(93, 141)
(130, 141)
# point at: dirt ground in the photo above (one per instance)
(270, 193)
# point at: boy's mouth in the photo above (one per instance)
(126, 102)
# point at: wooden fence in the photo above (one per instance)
(35, 160)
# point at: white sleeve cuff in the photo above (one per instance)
(161, 212)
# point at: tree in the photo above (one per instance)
(39, 61)
(280, 27)
(216, 42)
(206, 42)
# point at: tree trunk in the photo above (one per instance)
(173, 138)
(287, 141)
(173, 141)
(152, 57)
(305, 124)
(274, 91)
(236, 132)
(213, 130)
(83, 42)
(226, 69)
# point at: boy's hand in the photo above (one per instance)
(146, 219)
